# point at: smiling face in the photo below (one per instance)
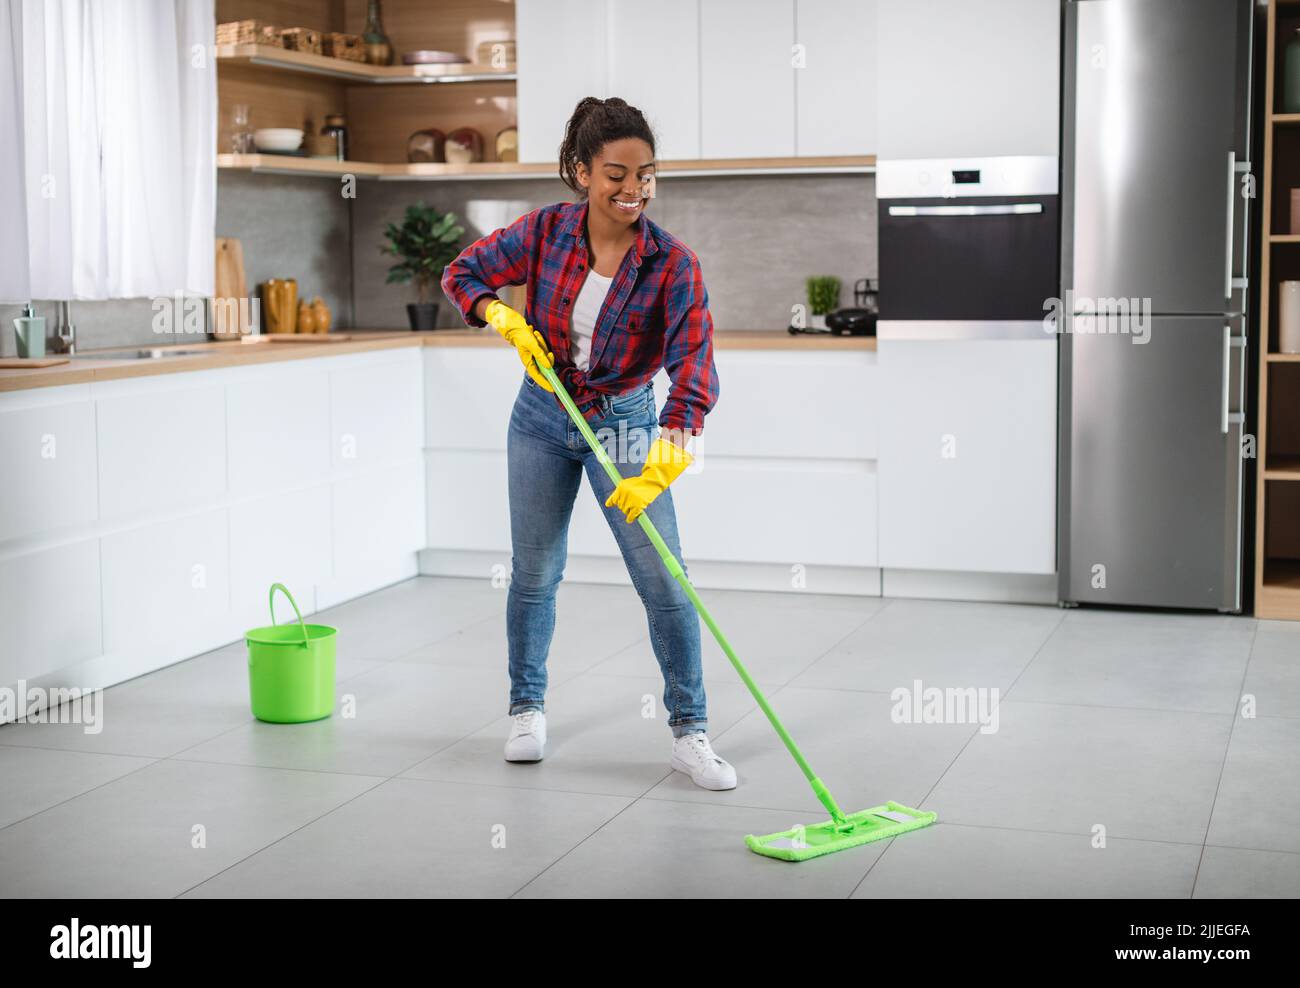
(620, 180)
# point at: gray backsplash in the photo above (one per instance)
(757, 237)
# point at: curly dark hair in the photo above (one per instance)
(596, 122)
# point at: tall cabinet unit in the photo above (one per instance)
(1277, 506)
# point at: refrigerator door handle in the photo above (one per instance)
(1227, 277)
(1228, 417)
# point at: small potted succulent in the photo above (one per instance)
(425, 243)
(823, 299)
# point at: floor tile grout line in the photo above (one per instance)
(631, 802)
(282, 837)
(1223, 765)
(975, 731)
(106, 782)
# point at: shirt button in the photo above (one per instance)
(565, 302)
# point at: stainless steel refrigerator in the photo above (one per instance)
(1155, 137)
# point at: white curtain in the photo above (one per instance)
(108, 110)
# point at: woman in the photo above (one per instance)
(616, 298)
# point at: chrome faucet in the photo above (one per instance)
(65, 331)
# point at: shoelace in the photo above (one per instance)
(700, 743)
(526, 723)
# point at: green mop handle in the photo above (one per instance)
(823, 794)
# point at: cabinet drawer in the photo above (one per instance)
(50, 450)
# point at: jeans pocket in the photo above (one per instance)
(630, 404)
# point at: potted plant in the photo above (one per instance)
(823, 299)
(425, 243)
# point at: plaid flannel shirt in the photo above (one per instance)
(655, 315)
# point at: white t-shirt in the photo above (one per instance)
(585, 313)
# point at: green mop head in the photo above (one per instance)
(877, 823)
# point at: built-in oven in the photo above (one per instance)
(968, 239)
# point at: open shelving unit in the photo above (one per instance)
(385, 104)
(1277, 531)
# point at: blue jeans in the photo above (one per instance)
(547, 455)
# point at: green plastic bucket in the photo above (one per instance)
(291, 668)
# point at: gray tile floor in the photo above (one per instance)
(1134, 755)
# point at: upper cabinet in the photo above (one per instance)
(968, 78)
(654, 64)
(747, 78)
(836, 89)
(562, 57)
(715, 78)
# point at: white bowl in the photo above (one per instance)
(278, 138)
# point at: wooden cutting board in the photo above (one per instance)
(231, 282)
(310, 337)
(20, 363)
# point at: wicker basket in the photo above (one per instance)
(248, 33)
(348, 46)
(301, 39)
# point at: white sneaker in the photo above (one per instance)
(527, 737)
(693, 755)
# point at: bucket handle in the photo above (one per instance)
(271, 598)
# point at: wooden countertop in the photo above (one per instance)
(256, 350)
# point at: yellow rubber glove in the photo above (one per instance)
(664, 462)
(532, 348)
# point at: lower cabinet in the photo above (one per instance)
(968, 460)
(166, 507)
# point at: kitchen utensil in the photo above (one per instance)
(1288, 316)
(230, 292)
(321, 146)
(306, 318)
(29, 333)
(336, 127)
(841, 831)
(323, 315)
(464, 146)
(426, 145)
(280, 302)
(277, 138)
(291, 668)
(508, 144)
(241, 137)
(30, 363)
(431, 57)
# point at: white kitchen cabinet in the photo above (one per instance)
(746, 79)
(378, 523)
(967, 464)
(470, 394)
(278, 424)
(49, 611)
(641, 48)
(376, 409)
(562, 46)
(48, 451)
(162, 445)
(967, 78)
(836, 89)
(167, 583)
(282, 538)
(787, 403)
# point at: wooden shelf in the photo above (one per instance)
(1284, 238)
(270, 57)
(1278, 595)
(1282, 358)
(1282, 467)
(328, 168)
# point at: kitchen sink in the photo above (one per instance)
(154, 353)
